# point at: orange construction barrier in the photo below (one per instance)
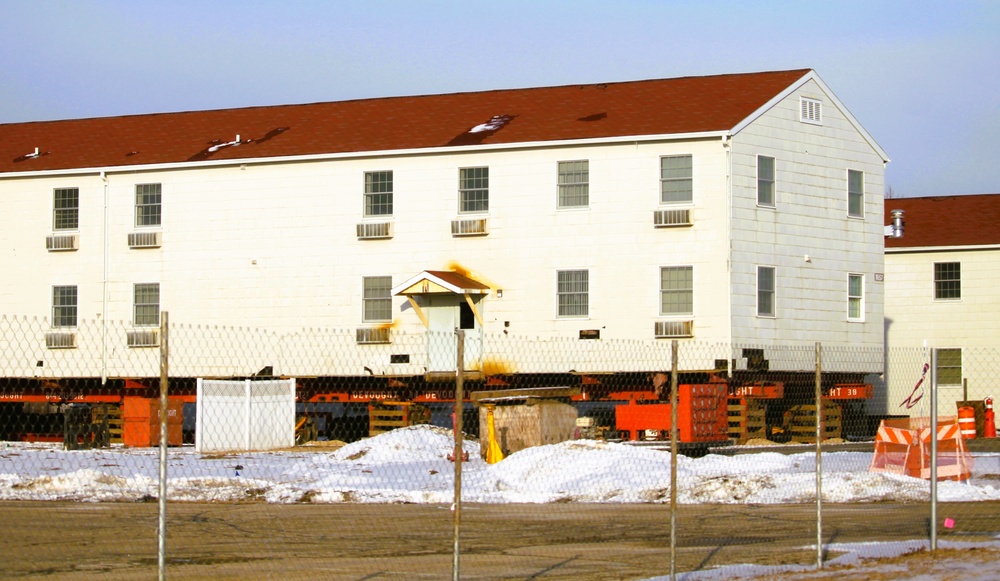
(990, 425)
(902, 446)
(141, 417)
(702, 415)
(967, 421)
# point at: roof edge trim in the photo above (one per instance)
(429, 275)
(955, 248)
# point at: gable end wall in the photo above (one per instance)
(809, 218)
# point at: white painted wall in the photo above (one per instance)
(274, 246)
(914, 318)
(809, 218)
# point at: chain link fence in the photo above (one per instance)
(332, 453)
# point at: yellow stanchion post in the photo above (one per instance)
(493, 452)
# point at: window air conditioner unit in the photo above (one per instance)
(60, 242)
(674, 329)
(372, 335)
(374, 230)
(668, 218)
(144, 239)
(60, 340)
(473, 227)
(143, 338)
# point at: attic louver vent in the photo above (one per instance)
(666, 329)
(60, 340)
(474, 227)
(61, 242)
(811, 111)
(668, 218)
(143, 338)
(374, 230)
(370, 335)
(144, 240)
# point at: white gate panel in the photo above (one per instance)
(243, 416)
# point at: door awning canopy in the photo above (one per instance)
(440, 282)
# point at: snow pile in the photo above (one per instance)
(579, 471)
(411, 465)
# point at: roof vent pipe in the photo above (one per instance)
(215, 148)
(895, 228)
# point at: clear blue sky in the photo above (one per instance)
(923, 77)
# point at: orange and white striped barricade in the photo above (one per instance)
(895, 451)
(954, 462)
(902, 446)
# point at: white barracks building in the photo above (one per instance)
(733, 209)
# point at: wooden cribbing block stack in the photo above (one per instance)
(800, 422)
(113, 413)
(385, 416)
(747, 419)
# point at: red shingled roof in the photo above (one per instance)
(459, 280)
(970, 220)
(653, 107)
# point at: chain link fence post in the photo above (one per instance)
(934, 446)
(820, 414)
(673, 458)
(459, 412)
(164, 411)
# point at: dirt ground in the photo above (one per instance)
(60, 540)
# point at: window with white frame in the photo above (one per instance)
(811, 111)
(676, 290)
(378, 193)
(64, 305)
(765, 181)
(855, 193)
(765, 291)
(146, 304)
(676, 185)
(855, 297)
(949, 366)
(947, 280)
(147, 205)
(66, 209)
(573, 293)
(474, 190)
(574, 184)
(376, 299)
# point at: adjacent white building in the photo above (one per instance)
(941, 292)
(732, 209)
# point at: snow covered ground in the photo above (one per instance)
(909, 560)
(411, 465)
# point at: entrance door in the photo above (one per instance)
(445, 313)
